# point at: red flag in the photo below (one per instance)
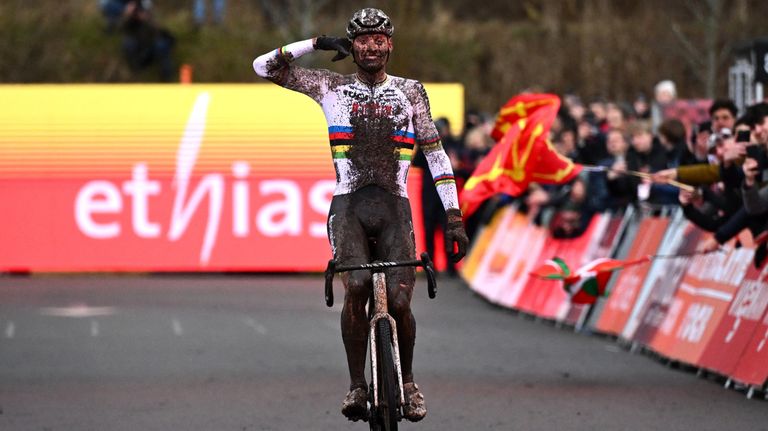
(523, 155)
(587, 283)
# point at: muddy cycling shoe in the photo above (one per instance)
(414, 409)
(355, 404)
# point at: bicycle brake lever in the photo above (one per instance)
(430, 271)
(329, 272)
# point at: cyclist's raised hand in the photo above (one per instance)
(341, 45)
(455, 234)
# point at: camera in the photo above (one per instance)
(743, 136)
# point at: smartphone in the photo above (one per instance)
(742, 136)
(753, 152)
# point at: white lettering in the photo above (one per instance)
(695, 323)
(141, 188)
(289, 209)
(320, 200)
(88, 203)
(240, 201)
(212, 184)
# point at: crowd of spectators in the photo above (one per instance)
(635, 155)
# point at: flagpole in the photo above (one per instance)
(644, 175)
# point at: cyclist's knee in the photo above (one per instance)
(400, 300)
(358, 285)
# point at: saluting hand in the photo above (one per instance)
(341, 45)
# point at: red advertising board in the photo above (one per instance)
(605, 240)
(739, 324)
(169, 177)
(625, 291)
(753, 366)
(700, 302)
(500, 265)
(662, 282)
(547, 298)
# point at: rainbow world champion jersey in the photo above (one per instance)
(372, 129)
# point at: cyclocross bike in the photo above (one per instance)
(385, 395)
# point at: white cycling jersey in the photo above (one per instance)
(372, 129)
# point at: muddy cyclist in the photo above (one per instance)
(374, 121)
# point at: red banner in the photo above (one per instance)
(627, 287)
(700, 302)
(504, 260)
(547, 298)
(738, 326)
(611, 228)
(753, 365)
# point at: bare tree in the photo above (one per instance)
(703, 59)
(293, 19)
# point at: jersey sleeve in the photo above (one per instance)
(429, 141)
(277, 67)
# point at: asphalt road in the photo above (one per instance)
(224, 352)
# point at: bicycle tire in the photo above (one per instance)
(389, 396)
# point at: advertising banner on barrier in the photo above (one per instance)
(753, 365)
(656, 299)
(700, 302)
(505, 257)
(528, 247)
(168, 177)
(605, 241)
(738, 325)
(626, 289)
(547, 298)
(479, 248)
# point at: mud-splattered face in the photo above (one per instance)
(371, 51)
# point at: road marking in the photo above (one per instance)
(10, 330)
(258, 327)
(77, 311)
(94, 328)
(177, 329)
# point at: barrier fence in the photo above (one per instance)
(709, 311)
(170, 177)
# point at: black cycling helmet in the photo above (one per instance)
(367, 21)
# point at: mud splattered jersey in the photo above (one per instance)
(372, 128)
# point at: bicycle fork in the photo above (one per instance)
(381, 312)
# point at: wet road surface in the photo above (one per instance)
(239, 352)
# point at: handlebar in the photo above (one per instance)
(425, 263)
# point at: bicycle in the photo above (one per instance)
(385, 395)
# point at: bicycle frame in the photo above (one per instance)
(381, 312)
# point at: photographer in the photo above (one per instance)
(144, 42)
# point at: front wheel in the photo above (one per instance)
(386, 416)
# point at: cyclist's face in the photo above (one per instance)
(371, 51)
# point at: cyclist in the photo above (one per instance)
(374, 121)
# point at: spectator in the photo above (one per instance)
(723, 113)
(598, 113)
(621, 188)
(615, 118)
(641, 109)
(664, 94)
(145, 43)
(199, 11)
(590, 143)
(113, 12)
(672, 139)
(698, 148)
(646, 155)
